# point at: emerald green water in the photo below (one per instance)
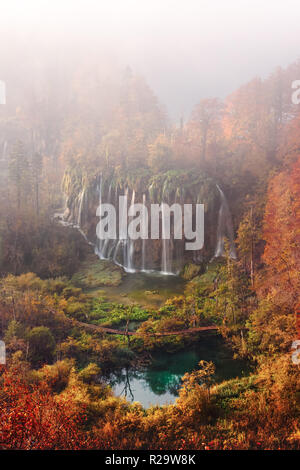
(158, 383)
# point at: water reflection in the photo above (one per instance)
(139, 389)
(160, 381)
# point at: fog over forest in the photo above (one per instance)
(187, 51)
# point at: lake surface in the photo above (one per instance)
(159, 382)
(150, 290)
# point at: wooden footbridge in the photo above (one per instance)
(113, 331)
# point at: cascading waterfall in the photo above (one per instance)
(114, 245)
(117, 243)
(129, 267)
(167, 253)
(124, 241)
(145, 255)
(80, 204)
(107, 240)
(143, 267)
(111, 249)
(225, 228)
(178, 247)
(115, 253)
(79, 215)
(99, 244)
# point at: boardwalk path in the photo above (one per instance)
(132, 333)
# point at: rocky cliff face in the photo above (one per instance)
(85, 193)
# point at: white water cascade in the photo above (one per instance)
(143, 267)
(129, 245)
(99, 243)
(107, 240)
(166, 256)
(80, 204)
(118, 244)
(167, 252)
(121, 251)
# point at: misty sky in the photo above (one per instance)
(186, 49)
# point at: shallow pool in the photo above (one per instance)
(159, 382)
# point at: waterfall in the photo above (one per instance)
(114, 258)
(129, 246)
(166, 258)
(143, 268)
(178, 247)
(107, 240)
(166, 255)
(225, 228)
(81, 199)
(122, 243)
(115, 244)
(69, 219)
(99, 243)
